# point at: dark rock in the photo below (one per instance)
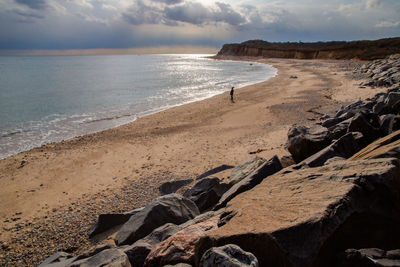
(345, 147)
(390, 123)
(266, 169)
(172, 208)
(109, 257)
(245, 168)
(207, 192)
(181, 247)
(137, 253)
(173, 186)
(367, 124)
(228, 255)
(351, 107)
(304, 142)
(214, 171)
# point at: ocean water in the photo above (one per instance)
(51, 98)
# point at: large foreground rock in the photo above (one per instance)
(172, 208)
(228, 256)
(307, 217)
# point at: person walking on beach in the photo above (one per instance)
(232, 94)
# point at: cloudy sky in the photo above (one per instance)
(87, 24)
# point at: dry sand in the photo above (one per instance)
(59, 189)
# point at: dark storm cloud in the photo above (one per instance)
(197, 14)
(34, 4)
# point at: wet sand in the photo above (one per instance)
(51, 195)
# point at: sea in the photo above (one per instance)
(47, 99)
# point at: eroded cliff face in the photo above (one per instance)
(363, 50)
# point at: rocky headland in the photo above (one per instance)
(335, 201)
(363, 50)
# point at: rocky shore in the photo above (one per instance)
(333, 202)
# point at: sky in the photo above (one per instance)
(121, 24)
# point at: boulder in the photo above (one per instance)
(369, 257)
(303, 142)
(307, 217)
(245, 168)
(181, 247)
(386, 147)
(345, 147)
(109, 257)
(172, 186)
(228, 256)
(138, 251)
(367, 124)
(172, 208)
(207, 192)
(351, 107)
(266, 169)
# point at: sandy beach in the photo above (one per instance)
(51, 195)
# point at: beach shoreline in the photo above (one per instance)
(121, 168)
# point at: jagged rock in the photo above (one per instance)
(173, 186)
(303, 142)
(229, 255)
(367, 124)
(180, 247)
(345, 147)
(58, 259)
(369, 257)
(245, 168)
(386, 147)
(306, 217)
(390, 123)
(214, 171)
(109, 257)
(266, 169)
(172, 208)
(138, 251)
(94, 251)
(207, 192)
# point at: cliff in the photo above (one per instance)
(363, 50)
